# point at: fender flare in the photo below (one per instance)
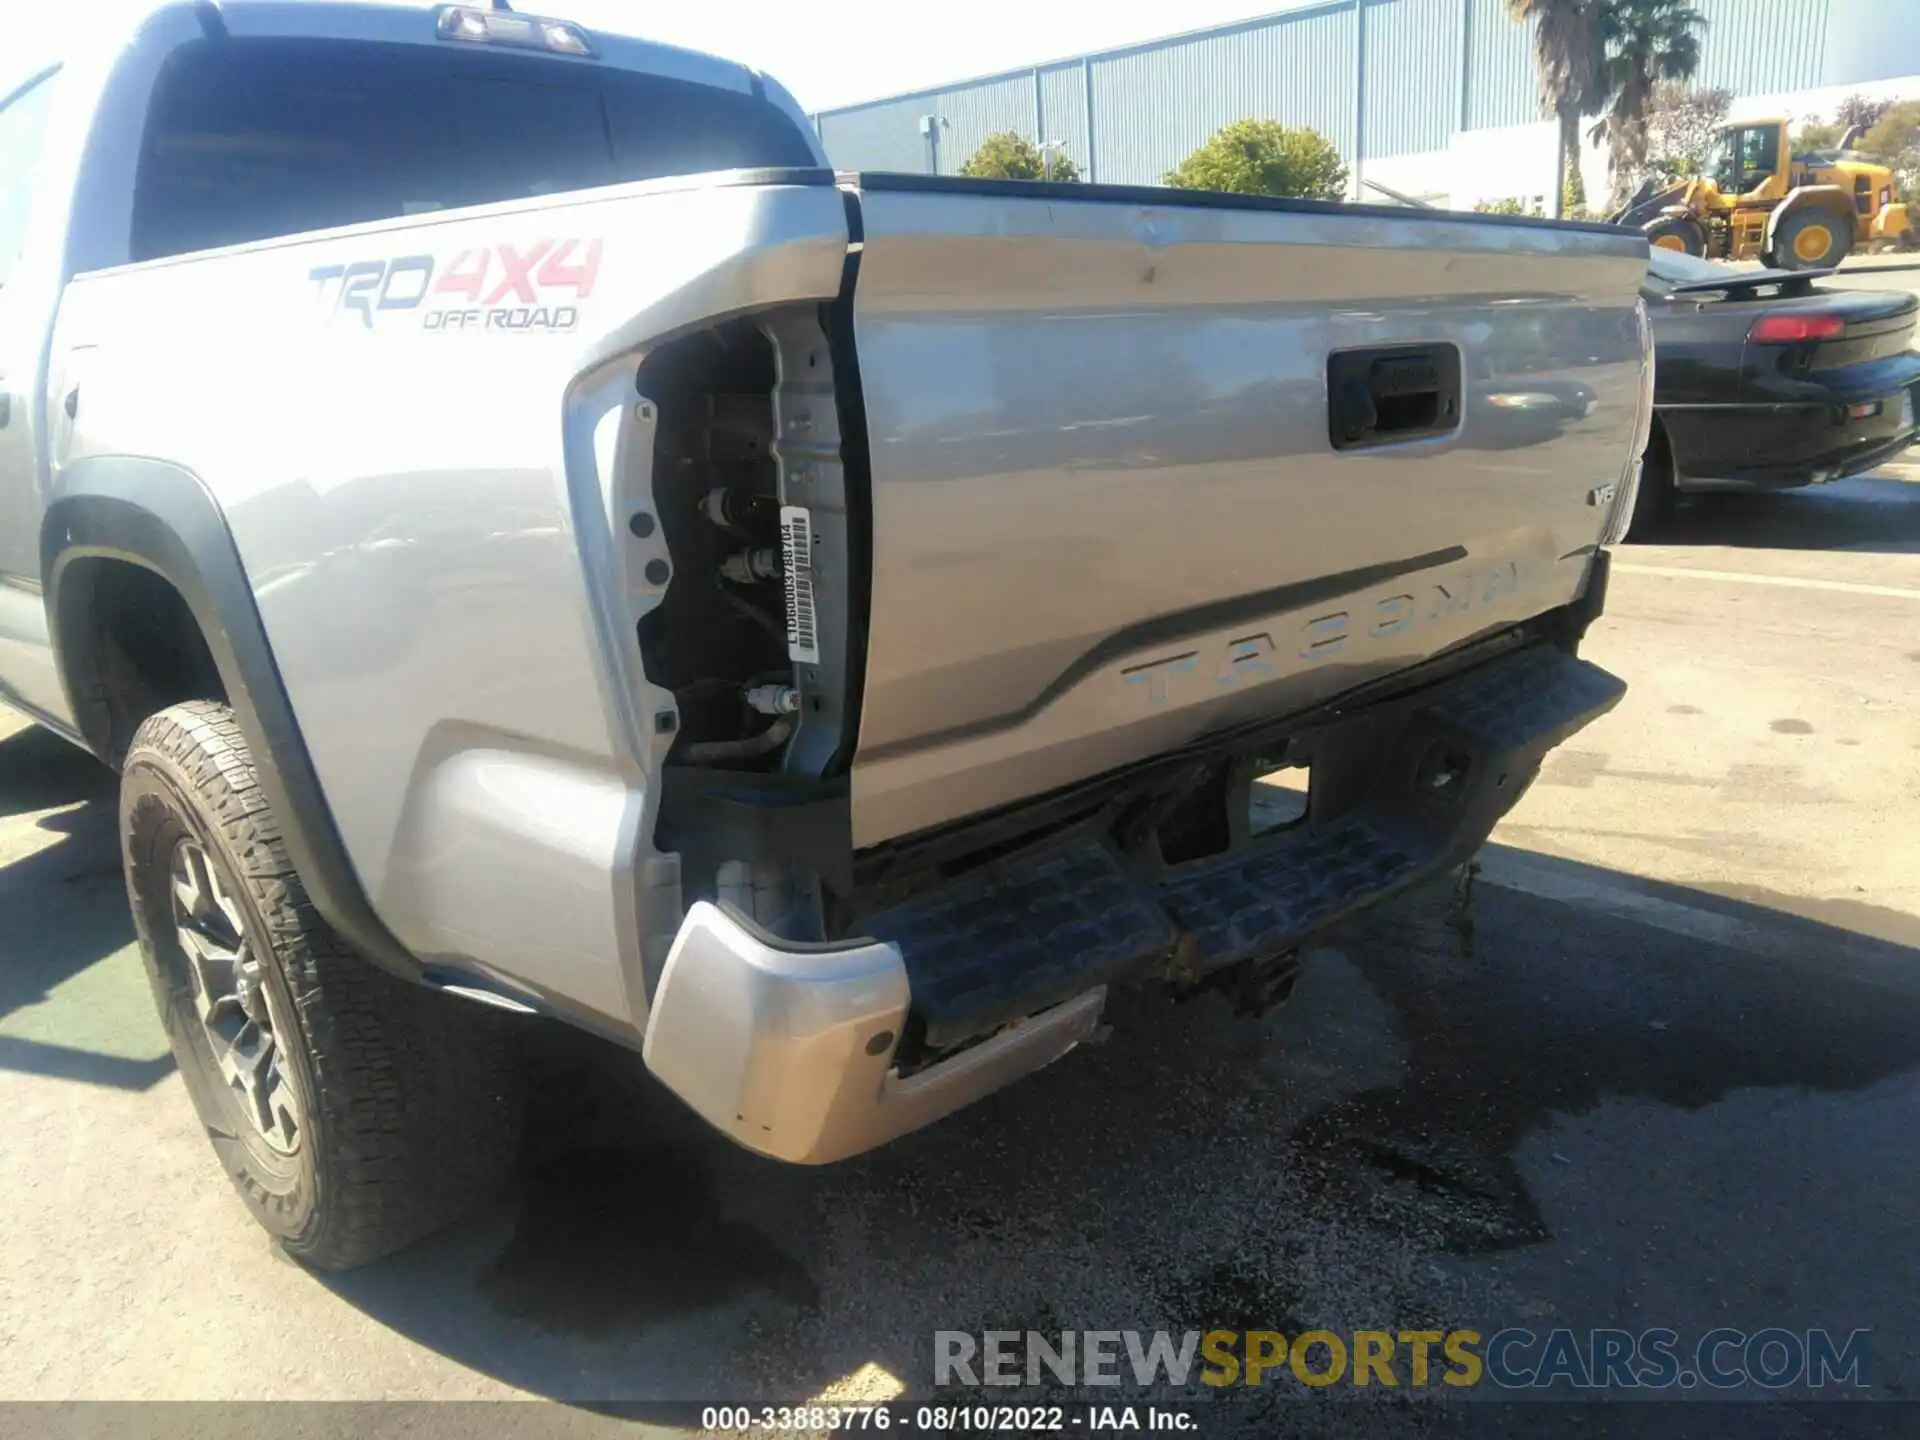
(162, 518)
(1805, 197)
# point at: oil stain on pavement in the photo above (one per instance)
(1549, 1019)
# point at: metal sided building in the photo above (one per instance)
(1436, 98)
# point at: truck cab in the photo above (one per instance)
(199, 127)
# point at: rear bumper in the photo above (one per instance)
(1782, 447)
(790, 1052)
(796, 1052)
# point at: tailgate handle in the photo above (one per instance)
(1403, 392)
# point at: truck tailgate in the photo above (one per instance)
(1109, 513)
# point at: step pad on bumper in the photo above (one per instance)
(1035, 928)
(1235, 910)
(1020, 935)
(1532, 701)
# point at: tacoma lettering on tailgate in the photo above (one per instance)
(1247, 658)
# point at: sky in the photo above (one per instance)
(828, 52)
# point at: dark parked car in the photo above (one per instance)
(1764, 380)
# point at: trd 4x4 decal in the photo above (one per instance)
(498, 287)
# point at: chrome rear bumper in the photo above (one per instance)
(789, 1050)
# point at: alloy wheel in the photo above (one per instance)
(231, 996)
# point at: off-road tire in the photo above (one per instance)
(1692, 239)
(1785, 254)
(410, 1110)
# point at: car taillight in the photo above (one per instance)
(1788, 329)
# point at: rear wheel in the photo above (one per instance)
(1675, 232)
(1811, 240)
(354, 1112)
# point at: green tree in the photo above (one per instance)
(1854, 112)
(1897, 130)
(1264, 157)
(1009, 155)
(1573, 196)
(1507, 205)
(1859, 110)
(1816, 135)
(1570, 61)
(1895, 139)
(1648, 42)
(1682, 121)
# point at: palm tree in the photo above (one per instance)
(1647, 41)
(1570, 53)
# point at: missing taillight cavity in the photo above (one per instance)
(1794, 329)
(746, 488)
(718, 639)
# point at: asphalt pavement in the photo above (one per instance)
(1656, 1067)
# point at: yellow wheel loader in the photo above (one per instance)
(1762, 202)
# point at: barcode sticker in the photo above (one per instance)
(796, 546)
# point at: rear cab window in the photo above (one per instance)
(247, 138)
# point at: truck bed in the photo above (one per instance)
(1108, 515)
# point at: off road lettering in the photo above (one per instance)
(454, 295)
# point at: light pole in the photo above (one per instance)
(1047, 149)
(930, 128)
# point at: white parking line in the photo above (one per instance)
(1789, 582)
(1865, 957)
(1550, 881)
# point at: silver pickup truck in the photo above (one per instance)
(529, 535)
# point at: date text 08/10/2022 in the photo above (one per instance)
(945, 1419)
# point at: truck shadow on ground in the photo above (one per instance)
(40, 771)
(1865, 513)
(1364, 1157)
(63, 908)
